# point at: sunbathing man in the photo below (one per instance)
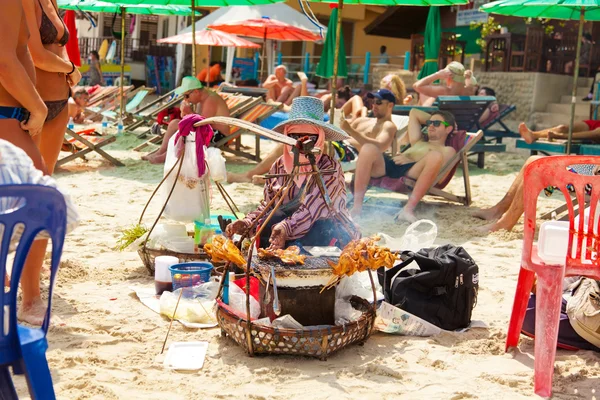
(379, 131)
(458, 82)
(421, 162)
(77, 104)
(279, 86)
(197, 100)
(582, 130)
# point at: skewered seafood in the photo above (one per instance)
(360, 255)
(289, 256)
(222, 249)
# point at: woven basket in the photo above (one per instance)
(148, 255)
(319, 343)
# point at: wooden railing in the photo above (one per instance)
(134, 49)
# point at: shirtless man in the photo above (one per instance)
(279, 86)
(17, 85)
(379, 131)
(77, 104)
(197, 100)
(458, 82)
(421, 162)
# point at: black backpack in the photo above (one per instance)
(442, 291)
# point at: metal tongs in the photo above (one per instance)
(276, 308)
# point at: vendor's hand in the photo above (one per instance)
(278, 237)
(237, 227)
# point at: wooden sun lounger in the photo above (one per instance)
(248, 91)
(547, 148)
(459, 159)
(255, 115)
(83, 145)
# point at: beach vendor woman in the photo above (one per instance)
(303, 217)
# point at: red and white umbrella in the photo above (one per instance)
(267, 28)
(210, 38)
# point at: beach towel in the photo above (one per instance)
(204, 134)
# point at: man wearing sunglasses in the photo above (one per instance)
(379, 131)
(196, 100)
(422, 161)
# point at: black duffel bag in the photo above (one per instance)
(443, 290)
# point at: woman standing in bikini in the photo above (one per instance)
(55, 75)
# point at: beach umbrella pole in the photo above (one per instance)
(264, 58)
(208, 67)
(193, 40)
(336, 55)
(575, 78)
(123, 15)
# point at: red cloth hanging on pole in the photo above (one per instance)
(73, 43)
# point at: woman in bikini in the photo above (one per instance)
(55, 75)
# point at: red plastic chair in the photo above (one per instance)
(581, 258)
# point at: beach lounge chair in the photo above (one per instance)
(255, 115)
(109, 98)
(135, 99)
(462, 142)
(247, 91)
(83, 144)
(547, 148)
(466, 110)
(23, 347)
(499, 134)
(147, 114)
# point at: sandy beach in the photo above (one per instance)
(108, 345)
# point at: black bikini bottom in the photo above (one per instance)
(55, 108)
(18, 113)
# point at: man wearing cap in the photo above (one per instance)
(422, 162)
(196, 100)
(455, 81)
(379, 131)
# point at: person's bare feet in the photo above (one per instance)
(487, 214)
(406, 216)
(356, 211)
(238, 178)
(302, 76)
(157, 159)
(493, 227)
(526, 133)
(33, 313)
(552, 136)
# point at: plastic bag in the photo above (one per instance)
(190, 200)
(216, 165)
(190, 310)
(392, 319)
(358, 284)
(344, 312)
(237, 301)
(418, 235)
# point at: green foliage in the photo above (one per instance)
(130, 235)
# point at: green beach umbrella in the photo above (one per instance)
(112, 7)
(432, 39)
(325, 67)
(373, 3)
(581, 10)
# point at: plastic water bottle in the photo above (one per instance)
(71, 124)
(120, 127)
(104, 126)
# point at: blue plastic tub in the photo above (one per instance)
(190, 274)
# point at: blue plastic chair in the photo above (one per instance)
(23, 348)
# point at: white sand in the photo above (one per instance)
(107, 348)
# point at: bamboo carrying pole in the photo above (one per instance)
(123, 15)
(575, 78)
(338, 30)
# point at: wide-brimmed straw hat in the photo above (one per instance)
(309, 110)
